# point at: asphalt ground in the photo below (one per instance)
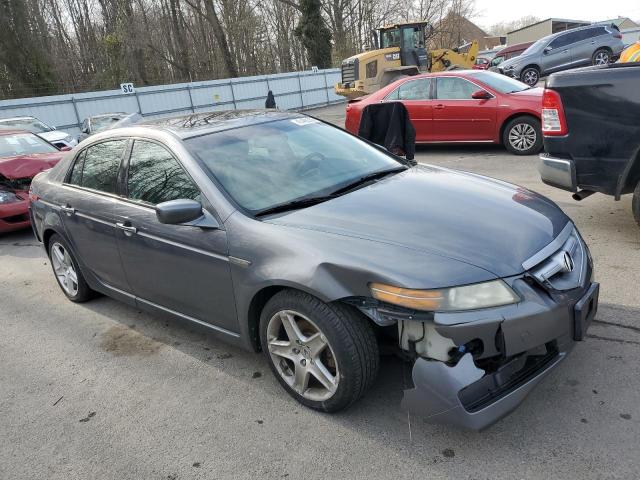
(102, 390)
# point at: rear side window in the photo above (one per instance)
(155, 176)
(97, 167)
(412, 90)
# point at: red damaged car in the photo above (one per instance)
(465, 106)
(22, 156)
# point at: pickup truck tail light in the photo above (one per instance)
(554, 122)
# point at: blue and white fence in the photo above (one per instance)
(292, 91)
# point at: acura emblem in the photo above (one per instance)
(568, 262)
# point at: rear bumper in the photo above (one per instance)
(467, 396)
(558, 172)
(14, 216)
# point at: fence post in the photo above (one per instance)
(193, 110)
(75, 109)
(300, 88)
(326, 86)
(233, 95)
(138, 102)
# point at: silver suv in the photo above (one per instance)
(592, 45)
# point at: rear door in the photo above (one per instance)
(88, 202)
(586, 44)
(416, 97)
(180, 268)
(457, 117)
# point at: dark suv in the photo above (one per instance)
(592, 45)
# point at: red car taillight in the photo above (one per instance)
(554, 122)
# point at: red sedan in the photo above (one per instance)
(22, 156)
(470, 106)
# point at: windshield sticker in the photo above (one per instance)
(304, 121)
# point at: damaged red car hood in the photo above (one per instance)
(27, 166)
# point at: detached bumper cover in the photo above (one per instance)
(470, 397)
(558, 172)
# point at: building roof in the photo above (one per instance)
(559, 20)
(618, 21)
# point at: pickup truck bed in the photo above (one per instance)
(601, 149)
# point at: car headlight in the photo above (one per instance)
(8, 197)
(468, 297)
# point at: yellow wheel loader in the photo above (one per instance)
(400, 51)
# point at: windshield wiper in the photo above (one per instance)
(294, 204)
(310, 201)
(365, 179)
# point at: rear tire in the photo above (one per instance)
(530, 76)
(324, 355)
(602, 56)
(635, 204)
(66, 270)
(523, 135)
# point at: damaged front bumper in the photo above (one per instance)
(521, 343)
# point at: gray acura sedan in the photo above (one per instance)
(281, 233)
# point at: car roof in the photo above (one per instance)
(10, 119)
(186, 126)
(14, 132)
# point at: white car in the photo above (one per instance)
(33, 125)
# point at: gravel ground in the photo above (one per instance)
(101, 390)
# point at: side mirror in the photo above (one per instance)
(65, 149)
(175, 212)
(481, 95)
(85, 130)
(547, 50)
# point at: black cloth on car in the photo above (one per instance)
(388, 124)
(271, 100)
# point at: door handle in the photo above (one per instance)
(439, 107)
(127, 229)
(68, 210)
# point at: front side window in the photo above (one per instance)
(454, 88)
(563, 40)
(269, 164)
(412, 90)
(391, 38)
(24, 144)
(155, 176)
(97, 167)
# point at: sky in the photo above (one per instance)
(491, 12)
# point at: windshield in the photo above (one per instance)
(270, 164)
(32, 125)
(390, 38)
(539, 45)
(500, 83)
(101, 123)
(23, 144)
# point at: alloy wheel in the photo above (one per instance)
(522, 136)
(530, 77)
(602, 58)
(302, 355)
(63, 268)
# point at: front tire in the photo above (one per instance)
(530, 76)
(635, 204)
(66, 270)
(523, 136)
(324, 355)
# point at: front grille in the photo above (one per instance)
(566, 266)
(349, 71)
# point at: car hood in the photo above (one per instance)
(465, 217)
(27, 166)
(515, 61)
(530, 94)
(53, 135)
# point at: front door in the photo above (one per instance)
(416, 97)
(557, 55)
(183, 269)
(88, 201)
(457, 117)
